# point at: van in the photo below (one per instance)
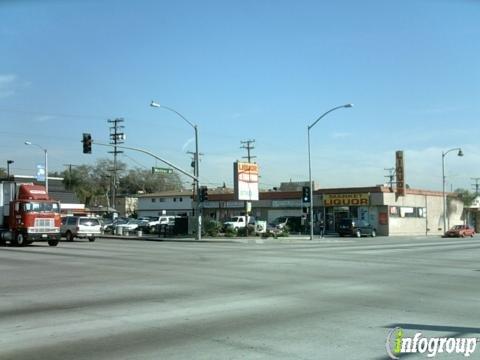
(358, 228)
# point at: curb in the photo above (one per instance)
(249, 240)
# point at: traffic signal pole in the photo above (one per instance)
(152, 155)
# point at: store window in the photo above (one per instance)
(408, 212)
(394, 211)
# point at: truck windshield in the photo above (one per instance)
(41, 207)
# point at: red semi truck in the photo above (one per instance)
(27, 214)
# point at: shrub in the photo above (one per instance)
(267, 234)
(242, 232)
(230, 232)
(285, 232)
(211, 227)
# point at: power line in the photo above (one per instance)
(61, 115)
(135, 161)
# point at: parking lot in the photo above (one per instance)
(334, 298)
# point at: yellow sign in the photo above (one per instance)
(346, 199)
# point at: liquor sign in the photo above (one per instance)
(346, 199)
(400, 173)
(245, 181)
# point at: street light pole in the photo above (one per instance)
(46, 162)
(444, 197)
(310, 162)
(196, 161)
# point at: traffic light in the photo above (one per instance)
(87, 143)
(306, 194)
(203, 193)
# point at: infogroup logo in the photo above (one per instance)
(397, 344)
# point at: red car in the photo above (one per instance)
(460, 231)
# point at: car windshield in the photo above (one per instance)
(235, 219)
(41, 207)
(458, 227)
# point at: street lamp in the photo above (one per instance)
(444, 198)
(310, 163)
(46, 162)
(196, 170)
(9, 162)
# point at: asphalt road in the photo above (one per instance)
(330, 299)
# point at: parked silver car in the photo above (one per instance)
(80, 227)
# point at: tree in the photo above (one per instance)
(137, 180)
(467, 198)
(93, 184)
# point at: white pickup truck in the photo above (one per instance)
(237, 222)
(161, 220)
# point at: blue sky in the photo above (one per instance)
(241, 70)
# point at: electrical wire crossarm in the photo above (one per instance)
(152, 155)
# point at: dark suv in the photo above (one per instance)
(356, 228)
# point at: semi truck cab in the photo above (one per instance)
(30, 216)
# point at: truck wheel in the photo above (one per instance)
(52, 242)
(69, 236)
(92, 239)
(18, 240)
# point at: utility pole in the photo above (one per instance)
(70, 174)
(476, 186)
(247, 145)
(117, 136)
(390, 176)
